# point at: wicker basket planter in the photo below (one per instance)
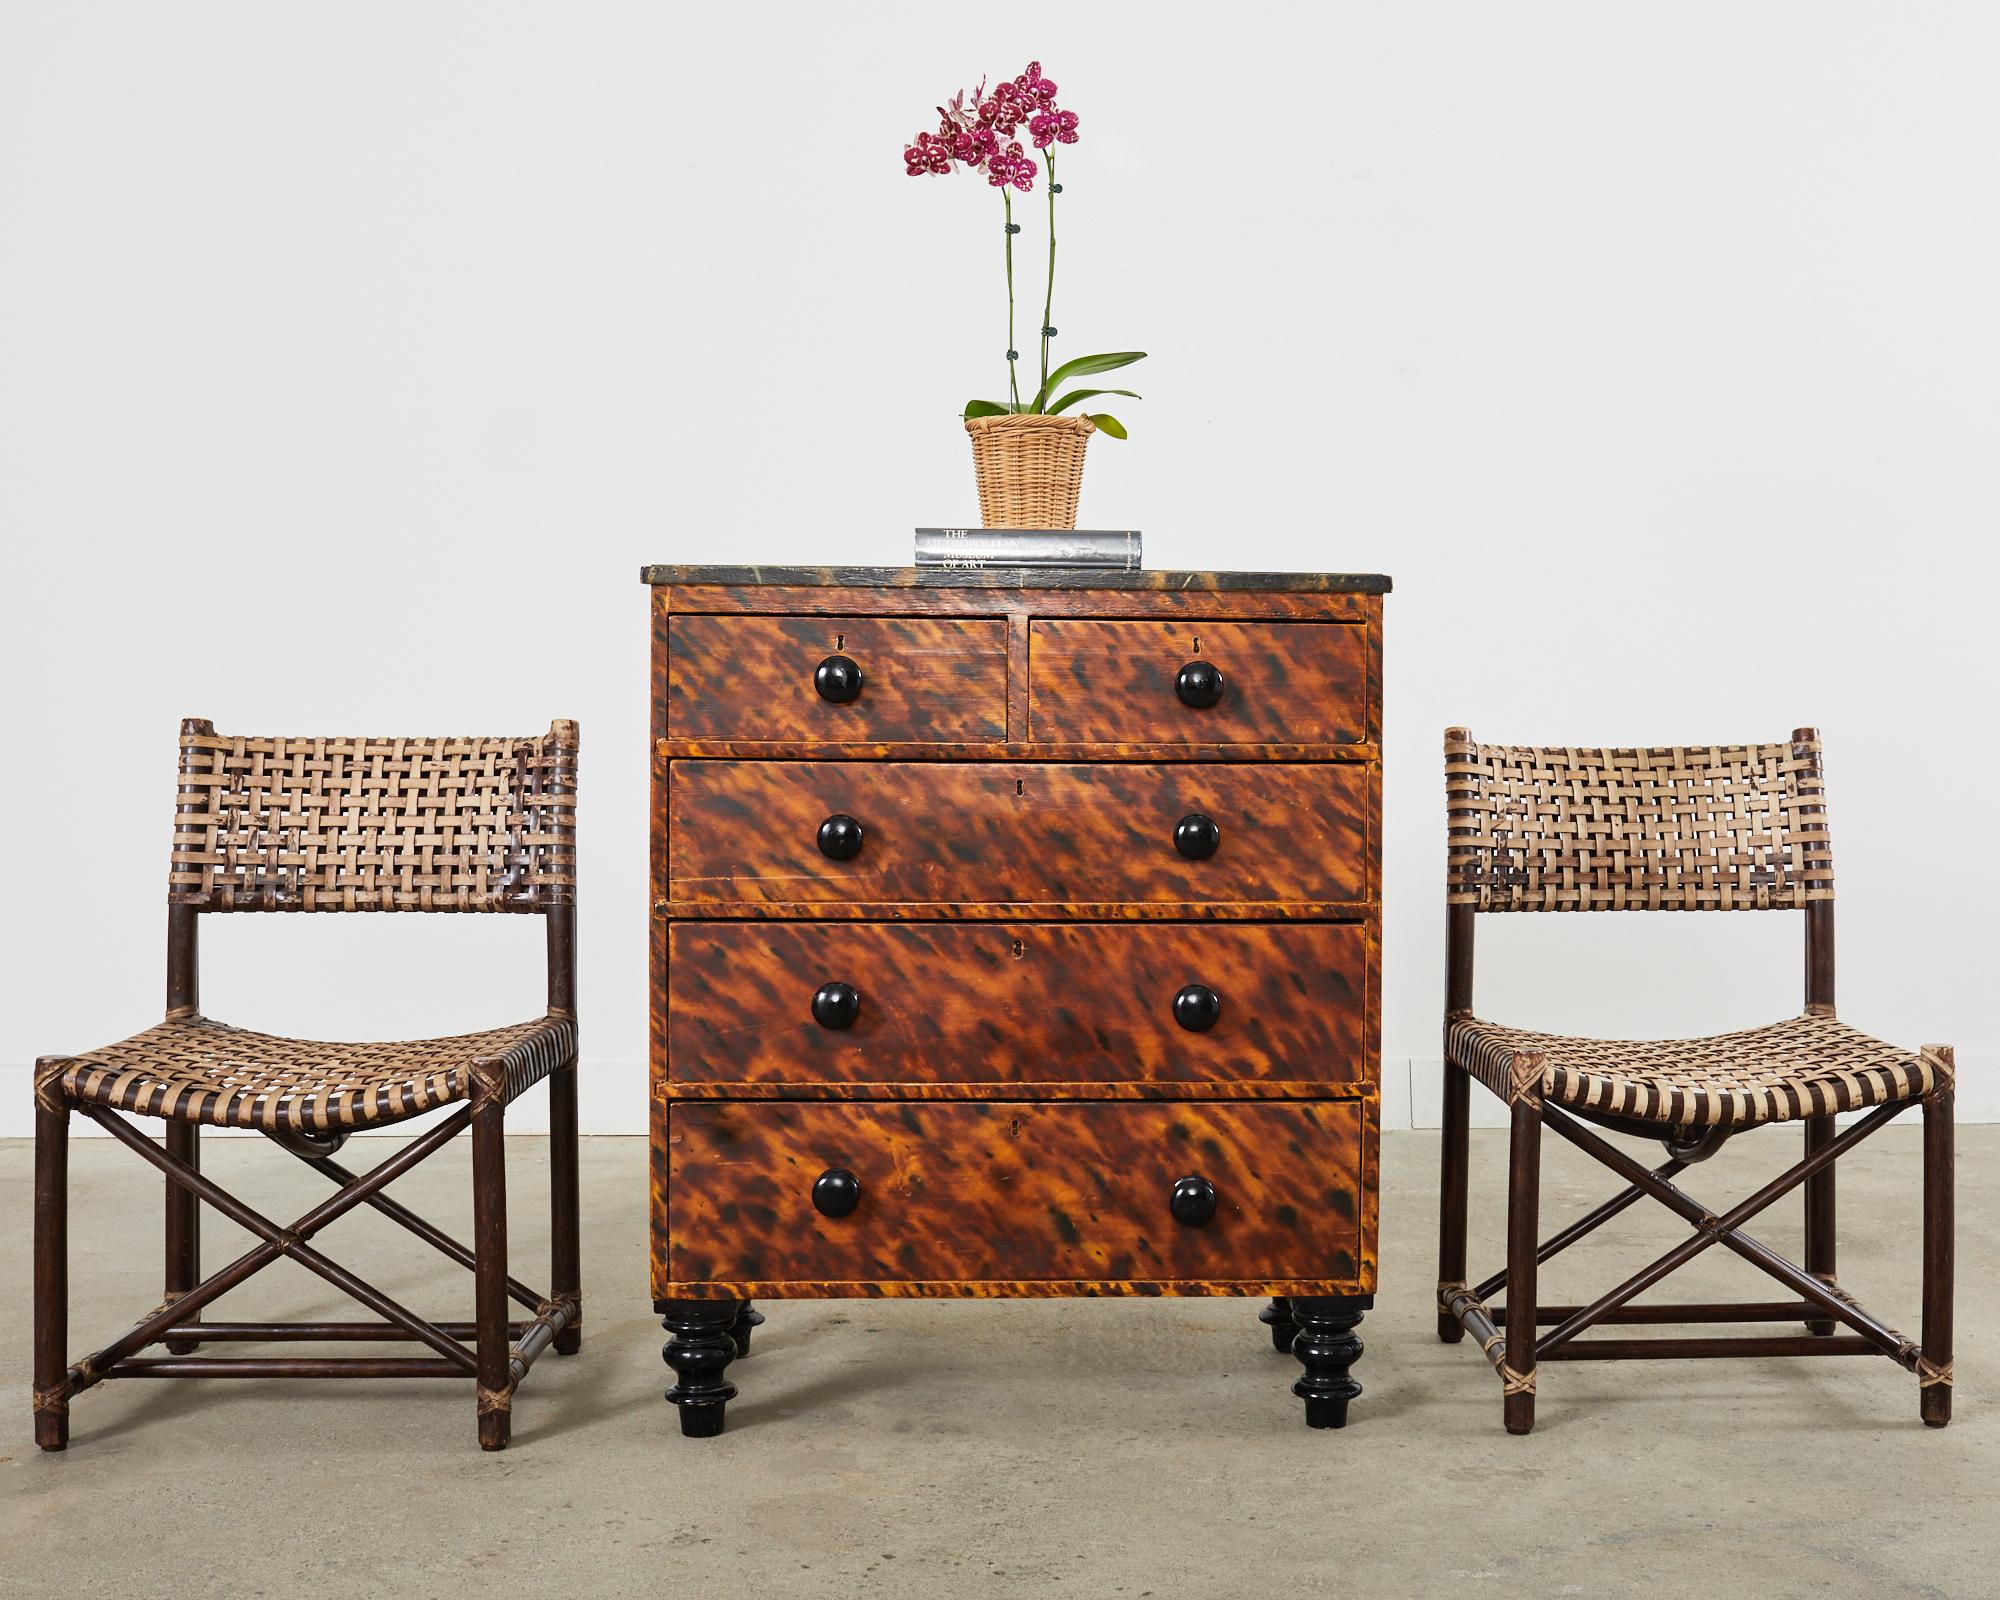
(1030, 469)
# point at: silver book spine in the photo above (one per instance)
(1027, 547)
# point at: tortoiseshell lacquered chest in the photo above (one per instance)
(1014, 932)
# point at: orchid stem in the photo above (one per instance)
(1049, 295)
(1013, 384)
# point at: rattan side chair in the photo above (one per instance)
(1700, 828)
(306, 824)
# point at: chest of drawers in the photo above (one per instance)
(1014, 932)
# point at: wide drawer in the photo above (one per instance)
(1012, 1193)
(947, 840)
(1244, 683)
(920, 679)
(969, 1002)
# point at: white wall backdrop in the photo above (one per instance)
(353, 359)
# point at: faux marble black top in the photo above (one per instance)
(1018, 578)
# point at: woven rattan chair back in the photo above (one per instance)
(1665, 828)
(358, 824)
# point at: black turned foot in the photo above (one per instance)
(703, 1345)
(1326, 1346)
(1277, 1316)
(746, 1319)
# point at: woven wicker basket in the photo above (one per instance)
(1030, 469)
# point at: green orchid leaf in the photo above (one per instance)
(1106, 423)
(985, 408)
(1083, 366)
(1075, 395)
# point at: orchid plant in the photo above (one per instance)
(978, 134)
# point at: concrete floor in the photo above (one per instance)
(1045, 1448)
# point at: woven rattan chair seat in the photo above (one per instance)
(1808, 1066)
(194, 1069)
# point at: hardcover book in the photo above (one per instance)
(1117, 549)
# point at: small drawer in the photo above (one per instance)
(838, 837)
(983, 1002)
(960, 1193)
(1198, 682)
(870, 679)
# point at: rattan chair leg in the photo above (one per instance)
(1452, 1168)
(565, 1228)
(51, 1391)
(1524, 1183)
(1820, 1251)
(183, 1225)
(1934, 1362)
(489, 1248)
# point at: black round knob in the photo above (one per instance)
(1193, 1201)
(1195, 836)
(1199, 684)
(837, 680)
(840, 837)
(836, 1192)
(836, 1005)
(1195, 1008)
